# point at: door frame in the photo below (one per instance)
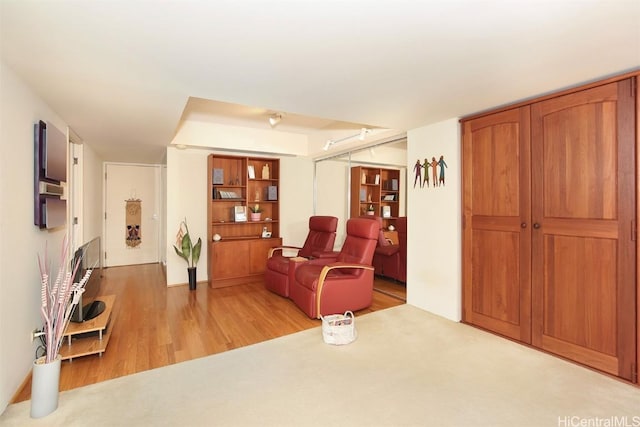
(160, 201)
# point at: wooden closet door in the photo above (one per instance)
(583, 249)
(497, 233)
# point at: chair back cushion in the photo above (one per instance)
(382, 241)
(321, 237)
(361, 241)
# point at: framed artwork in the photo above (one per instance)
(218, 176)
(386, 211)
(240, 213)
(272, 192)
(252, 172)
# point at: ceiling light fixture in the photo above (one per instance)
(361, 136)
(275, 119)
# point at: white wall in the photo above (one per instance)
(434, 276)
(296, 199)
(332, 178)
(92, 194)
(186, 198)
(21, 241)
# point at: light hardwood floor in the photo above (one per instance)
(155, 326)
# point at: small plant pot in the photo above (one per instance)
(192, 278)
(256, 216)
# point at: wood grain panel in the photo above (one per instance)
(580, 277)
(579, 158)
(583, 248)
(497, 233)
(496, 293)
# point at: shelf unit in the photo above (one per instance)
(376, 187)
(90, 337)
(235, 184)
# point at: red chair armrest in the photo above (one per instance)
(272, 251)
(325, 271)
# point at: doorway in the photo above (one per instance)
(140, 184)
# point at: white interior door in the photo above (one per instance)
(124, 182)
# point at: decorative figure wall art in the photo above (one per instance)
(442, 165)
(434, 168)
(418, 170)
(133, 216)
(426, 165)
(437, 172)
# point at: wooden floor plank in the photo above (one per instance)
(155, 326)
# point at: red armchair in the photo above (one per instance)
(334, 285)
(391, 260)
(321, 237)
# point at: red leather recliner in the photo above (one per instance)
(390, 260)
(334, 285)
(321, 237)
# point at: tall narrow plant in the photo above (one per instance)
(188, 251)
(59, 298)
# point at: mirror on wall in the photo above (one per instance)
(333, 178)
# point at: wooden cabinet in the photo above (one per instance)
(549, 218)
(235, 185)
(375, 188)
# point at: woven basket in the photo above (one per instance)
(339, 329)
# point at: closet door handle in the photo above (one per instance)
(523, 225)
(536, 225)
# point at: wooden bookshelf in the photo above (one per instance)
(378, 188)
(238, 183)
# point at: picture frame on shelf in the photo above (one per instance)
(272, 193)
(251, 171)
(240, 213)
(218, 176)
(386, 212)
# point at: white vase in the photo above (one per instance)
(45, 383)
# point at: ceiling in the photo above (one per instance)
(121, 72)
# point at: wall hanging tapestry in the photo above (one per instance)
(133, 219)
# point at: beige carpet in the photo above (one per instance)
(407, 368)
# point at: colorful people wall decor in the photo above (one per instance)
(437, 172)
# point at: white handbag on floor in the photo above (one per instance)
(339, 329)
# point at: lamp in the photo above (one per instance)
(361, 136)
(275, 119)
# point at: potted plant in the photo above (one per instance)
(59, 299)
(256, 212)
(189, 252)
(370, 210)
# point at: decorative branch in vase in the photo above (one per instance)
(59, 299)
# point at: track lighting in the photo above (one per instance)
(275, 119)
(361, 136)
